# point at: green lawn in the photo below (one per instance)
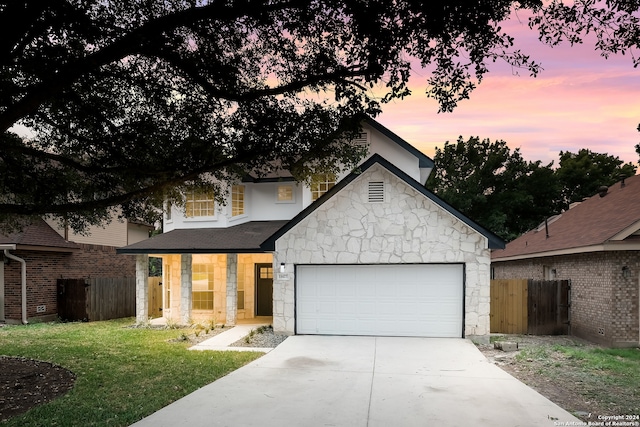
(123, 373)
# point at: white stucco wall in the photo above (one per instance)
(406, 228)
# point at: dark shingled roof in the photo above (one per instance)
(611, 219)
(38, 234)
(242, 238)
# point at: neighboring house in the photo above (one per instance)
(48, 254)
(595, 244)
(371, 252)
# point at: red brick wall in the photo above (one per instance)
(604, 304)
(43, 270)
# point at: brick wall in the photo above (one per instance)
(604, 303)
(43, 270)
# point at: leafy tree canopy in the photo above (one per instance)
(125, 101)
(492, 185)
(582, 173)
(508, 195)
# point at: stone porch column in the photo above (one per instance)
(142, 288)
(186, 295)
(232, 289)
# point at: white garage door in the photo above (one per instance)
(423, 300)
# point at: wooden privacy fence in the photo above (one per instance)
(96, 299)
(525, 306)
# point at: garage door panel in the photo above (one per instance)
(394, 300)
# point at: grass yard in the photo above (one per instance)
(583, 378)
(123, 373)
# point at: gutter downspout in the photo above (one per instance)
(23, 265)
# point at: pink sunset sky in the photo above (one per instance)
(580, 100)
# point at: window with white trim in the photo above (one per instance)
(167, 213)
(202, 286)
(237, 200)
(322, 183)
(200, 203)
(362, 138)
(285, 193)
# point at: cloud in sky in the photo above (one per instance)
(580, 100)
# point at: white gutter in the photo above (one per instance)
(23, 263)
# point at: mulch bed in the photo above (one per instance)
(25, 383)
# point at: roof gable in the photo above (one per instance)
(38, 235)
(423, 160)
(612, 219)
(494, 241)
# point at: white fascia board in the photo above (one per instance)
(626, 232)
(606, 247)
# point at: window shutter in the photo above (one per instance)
(376, 192)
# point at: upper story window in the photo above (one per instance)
(237, 200)
(285, 193)
(321, 184)
(362, 139)
(200, 203)
(167, 213)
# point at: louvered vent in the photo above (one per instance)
(376, 192)
(362, 139)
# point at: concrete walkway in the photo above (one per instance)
(365, 381)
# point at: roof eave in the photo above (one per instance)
(602, 247)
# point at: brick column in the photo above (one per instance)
(186, 295)
(232, 289)
(142, 288)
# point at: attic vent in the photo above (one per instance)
(361, 139)
(376, 192)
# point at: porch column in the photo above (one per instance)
(232, 289)
(186, 295)
(142, 288)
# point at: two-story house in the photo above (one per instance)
(371, 252)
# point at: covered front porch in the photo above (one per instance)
(218, 275)
(202, 288)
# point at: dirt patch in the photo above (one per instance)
(550, 372)
(26, 383)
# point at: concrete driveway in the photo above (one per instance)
(365, 381)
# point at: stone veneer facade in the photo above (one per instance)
(604, 300)
(406, 228)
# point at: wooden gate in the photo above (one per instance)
(155, 296)
(548, 307)
(72, 299)
(536, 307)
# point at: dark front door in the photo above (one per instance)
(264, 290)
